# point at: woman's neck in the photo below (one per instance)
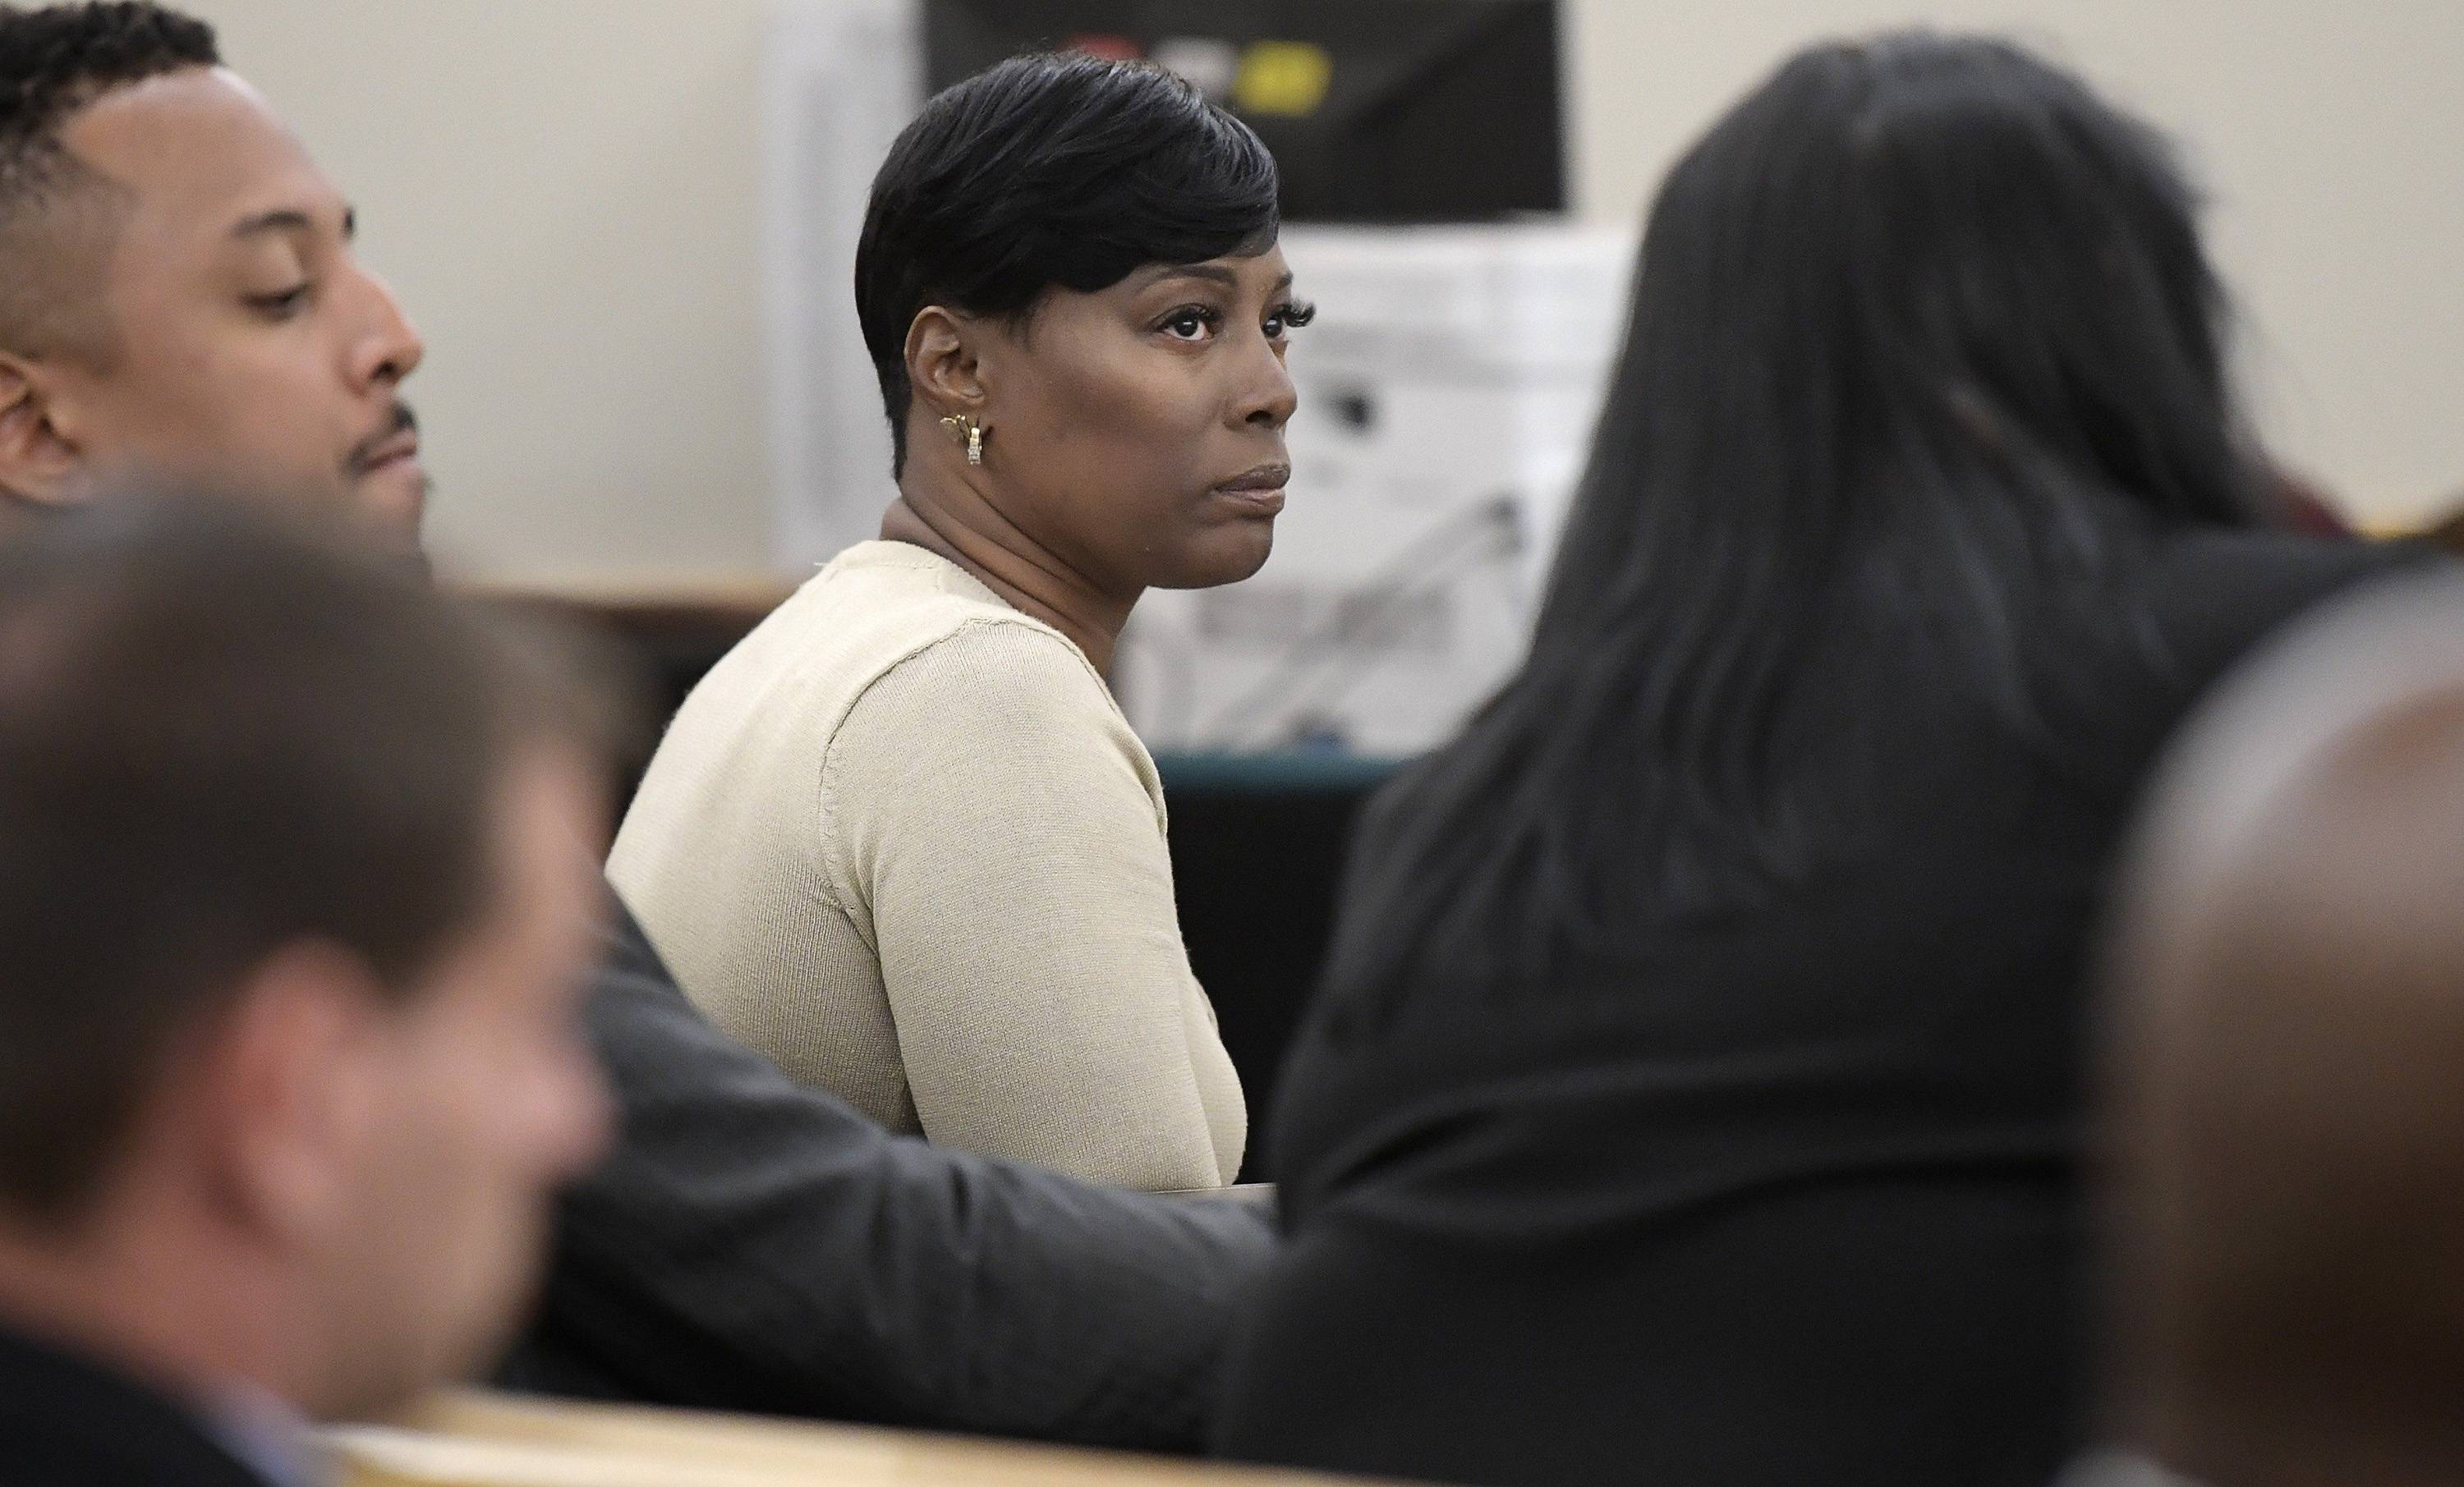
(968, 530)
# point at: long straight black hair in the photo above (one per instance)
(1920, 325)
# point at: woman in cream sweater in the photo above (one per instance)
(901, 839)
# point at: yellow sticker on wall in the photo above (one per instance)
(1282, 78)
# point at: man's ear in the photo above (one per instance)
(943, 365)
(292, 1079)
(41, 460)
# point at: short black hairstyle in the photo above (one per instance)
(1053, 169)
(53, 62)
(221, 735)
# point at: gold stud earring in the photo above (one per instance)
(963, 426)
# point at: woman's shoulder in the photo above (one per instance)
(2265, 560)
(2218, 591)
(1003, 684)
(994, 705)
(901, 587)
(996, 661)
(881, 607)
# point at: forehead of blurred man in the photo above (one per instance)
(238, 343)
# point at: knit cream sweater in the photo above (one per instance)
(902, 840)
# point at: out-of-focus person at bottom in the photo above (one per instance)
(1694, 1093)
(295, 916)
(2286, 1116)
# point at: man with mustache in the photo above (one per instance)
(179, 301)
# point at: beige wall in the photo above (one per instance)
(564, 194)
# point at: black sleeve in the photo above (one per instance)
(755, 1245)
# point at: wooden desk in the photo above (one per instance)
(472, 1438)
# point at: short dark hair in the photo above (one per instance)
(1045, 170)
(219, 736)
(53, 62)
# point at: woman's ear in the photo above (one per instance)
(942, 367)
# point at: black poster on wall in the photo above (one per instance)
(1386, 111)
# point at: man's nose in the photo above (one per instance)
(388, 349)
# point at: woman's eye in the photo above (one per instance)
(1190, 324)
(1288, 319)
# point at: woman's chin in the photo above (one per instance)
(1226, 555)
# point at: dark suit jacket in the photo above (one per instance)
(65, 1422)
(757, 1245)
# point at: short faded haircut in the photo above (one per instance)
(58, 215)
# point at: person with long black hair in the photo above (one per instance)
(1694, 1093)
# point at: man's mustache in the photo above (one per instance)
(401, 421)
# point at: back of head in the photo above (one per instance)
(219, 737)
(295, 901)
(54, 212)
(1909, 319)
(2286, 1123)
(1048, 171)
(1922, 333)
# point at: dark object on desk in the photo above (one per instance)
(755, 1245)
(1375, 110)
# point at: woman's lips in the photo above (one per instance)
(1258, 489)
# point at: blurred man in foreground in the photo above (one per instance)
(179, 297)
(294, 917)
(2288, 1113)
